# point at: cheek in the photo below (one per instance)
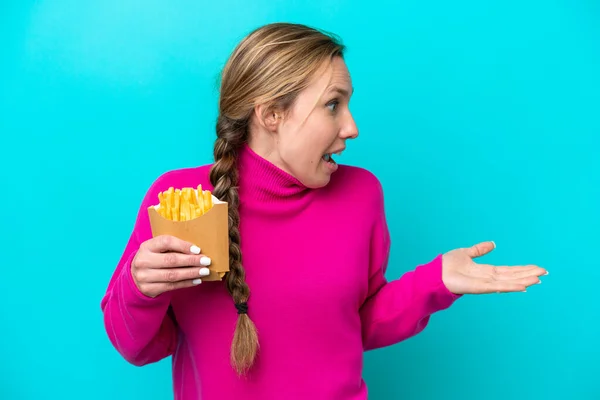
(321, 134)
(306, 145)
(301, 150)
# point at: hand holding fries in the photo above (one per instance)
(193, 216)
(166, 263)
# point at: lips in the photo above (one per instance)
(328, 157)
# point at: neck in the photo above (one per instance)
(264, 145)
(265, 187)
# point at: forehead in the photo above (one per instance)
(332, 74)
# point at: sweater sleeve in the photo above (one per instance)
(138, 326)
(397, 310)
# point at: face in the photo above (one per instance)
(304, 141)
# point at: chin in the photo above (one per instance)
(314, 178)
(317, 182)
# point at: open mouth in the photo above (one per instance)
(328, 157)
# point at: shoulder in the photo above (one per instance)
(358, 183)
(178, 178)
(351, 176)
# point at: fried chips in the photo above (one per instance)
(184, 204)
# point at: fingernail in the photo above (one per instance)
(539, 282)
(205, 261)
(195, 249)
(494, 243)
(204, 272)
(523, 291)
(197, 281)
(546, 273)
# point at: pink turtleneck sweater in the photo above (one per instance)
(315, 263)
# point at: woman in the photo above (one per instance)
(308, 239)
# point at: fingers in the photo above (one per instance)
(167, 263)
(481, 249)
(170, 275)
(509, 273)
(167, 243)
(173, 260)
(150, 260)
(155, 281)
(513, 285)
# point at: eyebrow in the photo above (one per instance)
(341, 91)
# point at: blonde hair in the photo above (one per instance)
(270, 66)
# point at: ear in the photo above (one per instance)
(268, 117)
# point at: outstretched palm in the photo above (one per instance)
(462, 275)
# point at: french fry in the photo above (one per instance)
(169, 201)
(176, 206)
(189, 199)
(162, 208)
(191, 196)
(201, 209)
(182, 206)
(184, 212)
(207, 200)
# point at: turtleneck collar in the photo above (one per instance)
(263, 186)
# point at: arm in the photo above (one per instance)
(397, 310)
(138, 326)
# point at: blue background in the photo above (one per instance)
(481, 119)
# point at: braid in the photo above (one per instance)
(224, 178)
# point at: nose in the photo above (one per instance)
(349, 129)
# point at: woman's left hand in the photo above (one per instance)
(462, 275)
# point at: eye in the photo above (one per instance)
(333, 105)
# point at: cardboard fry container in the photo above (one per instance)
(209, 232)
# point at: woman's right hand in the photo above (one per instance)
(167, 263)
